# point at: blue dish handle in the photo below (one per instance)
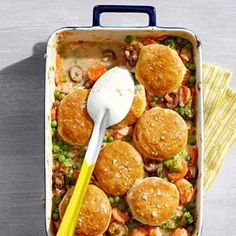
(99, 9)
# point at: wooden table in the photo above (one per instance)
(24, 28)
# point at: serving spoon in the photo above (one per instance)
(109, 101)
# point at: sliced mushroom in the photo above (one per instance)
(186, 54)
(192, 172)
(171, 100)
(131, 54)
(58, 180)
(108, 55)
(76, 74)
(60, 192)
(160, 170)
(150, 166)
(117, 229)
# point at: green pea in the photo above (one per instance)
(192, 140)
(68, 155)
(55, 215)
(110, 139)
(191, 228)
(128, 39)
(55, 148)
(67, 163)
(57, 94)
(190, 66)
(53, 123)
(191, 205)
(110, 130)
(61, 96)
(188, 158)
(105, 139)
(122, 206)
(189, 45)
(64, 78)
(54, 140)
(60, 143)
(192, 79)
(128, 138)
(111, 199)
(53, 131)
(74, 166)
(62, 159)
(65, 147)
(56, 210)
(155, 99)
(116, 199)
(184, 209)
(179, 40)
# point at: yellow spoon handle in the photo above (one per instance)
(70, 217)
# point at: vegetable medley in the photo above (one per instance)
(80, 64)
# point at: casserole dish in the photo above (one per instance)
(97, 33)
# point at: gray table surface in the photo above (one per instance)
(24, 28)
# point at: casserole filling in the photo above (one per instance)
(78, 66)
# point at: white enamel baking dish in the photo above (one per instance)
(105, 34)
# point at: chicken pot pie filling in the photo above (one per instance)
(78, 66)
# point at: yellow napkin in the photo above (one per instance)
(220, 119)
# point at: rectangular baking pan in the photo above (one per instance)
(105, 34)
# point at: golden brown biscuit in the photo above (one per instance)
(117, 167)
(136, 110)
(160, 134)
(74, 124)
(159, 69)
(153, 200)
(95, 213)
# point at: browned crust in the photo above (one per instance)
(136, 110)
(118, 166)
(159, 69)
(160, 134)
(95, 213)
(153, 200)
(74, 124)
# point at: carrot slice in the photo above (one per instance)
(194, 155)
(53, 113)
(59, 70)
(180, 232)
(58, 60)
(119, 216)
(186, 190)
(140, 231)
(149, 41)
(95, 71)
(174, 176)
(163, 37)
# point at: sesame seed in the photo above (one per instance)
(154, 213)
(158, 192)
